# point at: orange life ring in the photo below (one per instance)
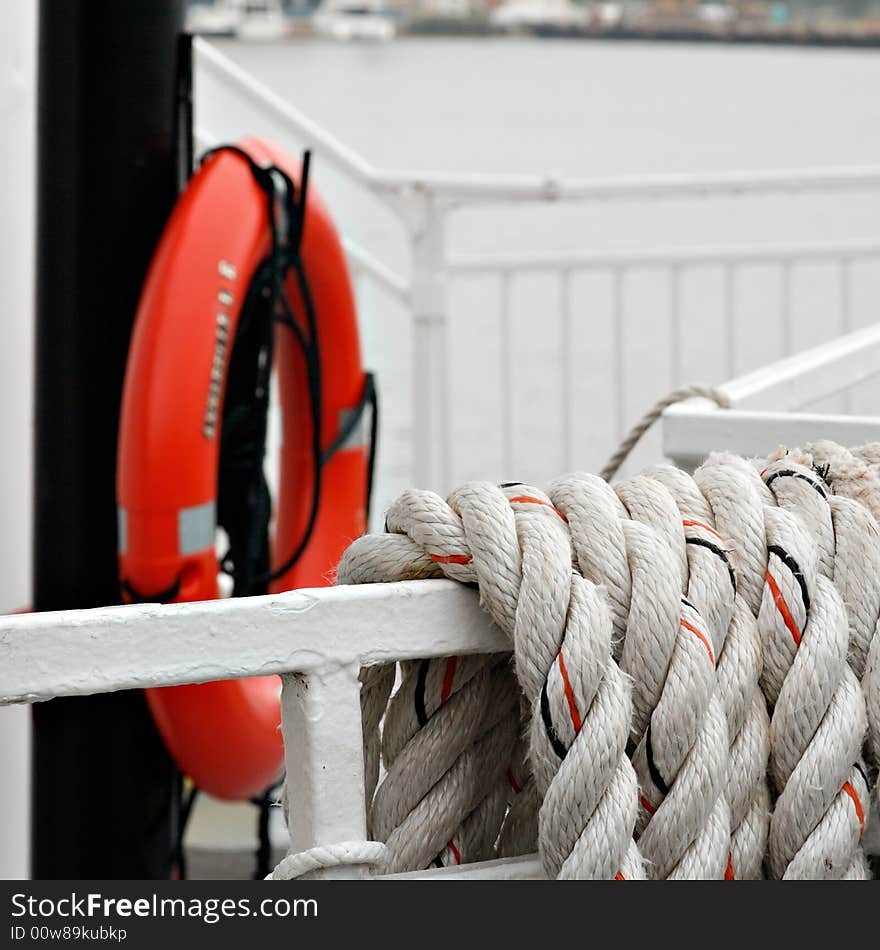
(226, 735)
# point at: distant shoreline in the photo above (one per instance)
(764, 36)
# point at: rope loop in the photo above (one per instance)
(343, 854)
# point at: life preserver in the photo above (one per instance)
(226, 735)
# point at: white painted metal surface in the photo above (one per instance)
(77, 652)
(17, 200)
(318, 639)
(763, 404)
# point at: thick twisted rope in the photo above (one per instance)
(853, 475)
(712, 586)
(812, 834)
(670, 522)
(447, 745)
(515, 546)
(699, 587)
(818, 718)
(632, 543)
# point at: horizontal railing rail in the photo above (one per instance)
(763, 404)
(79, 652)
(318, 640)
(739, 254)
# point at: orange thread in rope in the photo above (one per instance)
(860, 812)
(528, 500)
(569, 695)
(782, 607)
(701, 636)
(705, 527)
(451, 558)
(449, 674)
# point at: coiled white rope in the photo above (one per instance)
(854, 477)
(642, 619)
(516, 548)
(712, 585)
(632, 543)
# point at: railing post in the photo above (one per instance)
(323, 756)
(431, 448)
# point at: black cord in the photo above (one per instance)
(374, 441)
(185, 814)
(160, 597)
(183, 117)
(265, 803)
(284, 256)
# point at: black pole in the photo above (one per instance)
(104, 790)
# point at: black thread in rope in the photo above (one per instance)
(419, 695)
(791, 473)
(700, 542)
(654, 772)
(557, 744)
(795, 569)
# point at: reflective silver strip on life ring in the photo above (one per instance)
(121, 530)
(195, 527)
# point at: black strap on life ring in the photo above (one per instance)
(138, 597)
(244, 423)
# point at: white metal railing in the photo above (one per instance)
(318, 640)
(764, 404)
(425, 207)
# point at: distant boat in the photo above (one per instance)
(369, 20)
(214, 17)
(261, 20)
(517, 15)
